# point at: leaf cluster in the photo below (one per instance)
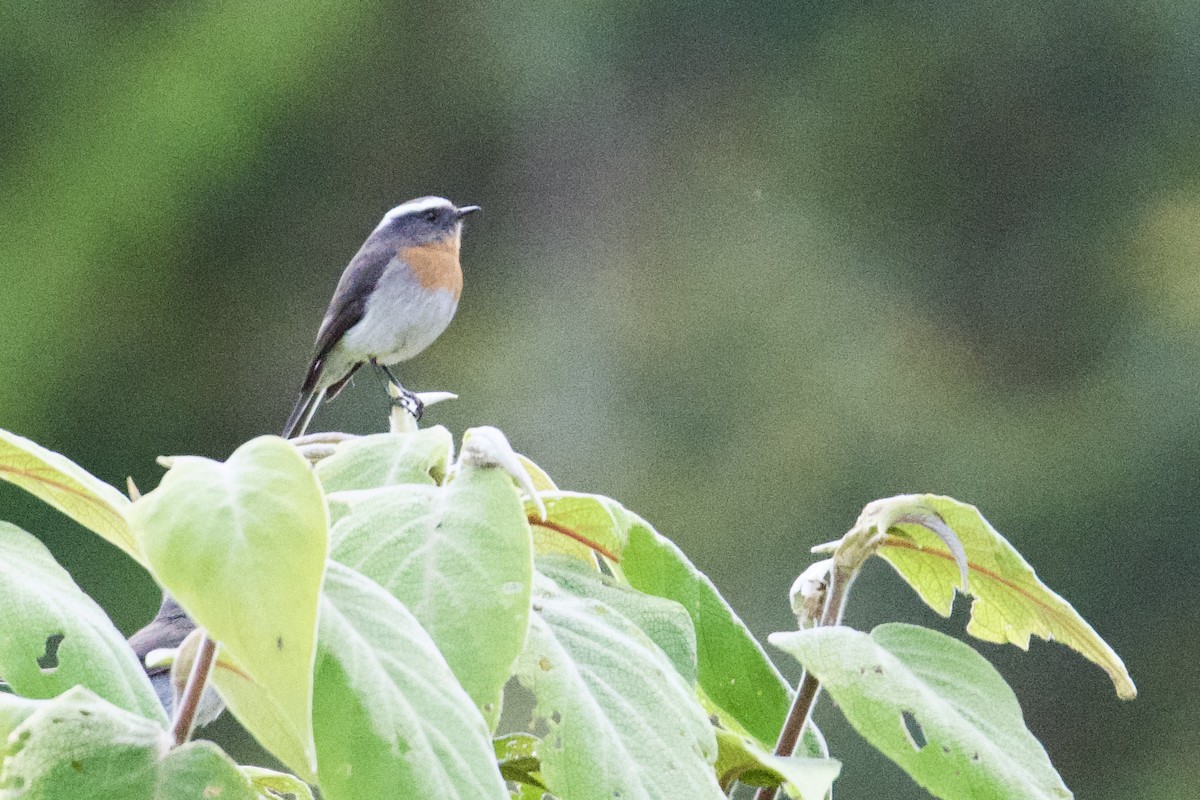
(391, 620)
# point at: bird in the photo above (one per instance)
(170, 626)
(395, 297)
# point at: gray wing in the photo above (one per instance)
(349, 303)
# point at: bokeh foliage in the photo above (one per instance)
(743, 267)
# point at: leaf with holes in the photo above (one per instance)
(242, 546)
(1010, 604)
(387, 459)
(56, 637)
(62, 483)
(620, 721)
(934, 706)
(459, 557)
(390, 719)
(80, 747)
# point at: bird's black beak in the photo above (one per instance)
(465, 210)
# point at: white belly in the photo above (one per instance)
(401, 320)
(397, 328)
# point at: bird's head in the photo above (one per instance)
(425, 220)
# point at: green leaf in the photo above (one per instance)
(579, 525)
(80, 747)
(390, 719)
(664, 621)
(934, 706)
(271, 785)
(619, 720)
(527, 791)
(42, 610)
(1011, 603)
(733, 669)
(811, 745)
(14, 710)
(387, 459)
(459, 558)
(741, 758)
(519, 759)
(65, 485)
(541, 480)
(201, 770)
(242, 546)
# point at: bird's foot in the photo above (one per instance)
(408, 401)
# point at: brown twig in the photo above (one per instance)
(189, 701)
(840, 578)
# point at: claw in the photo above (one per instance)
(409, 401)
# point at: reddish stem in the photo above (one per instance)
(189, 701)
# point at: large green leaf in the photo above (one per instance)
(62, 483)
(79, 747)
(242, 546)
(1010, 604)
(666, 622)
(390, 719)
(734, 671)
(459, 557)
(55, 636)
(934, 706)
(387, 459)
(619, 719)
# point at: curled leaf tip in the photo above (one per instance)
(932, 520)
(487, 446)
(909, 509)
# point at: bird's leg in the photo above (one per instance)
(407, 400)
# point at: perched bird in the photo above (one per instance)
(396, 296)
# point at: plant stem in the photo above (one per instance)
(189, 701)
(840, 578)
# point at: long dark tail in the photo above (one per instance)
(302, 414)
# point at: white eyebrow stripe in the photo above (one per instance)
(414, 207)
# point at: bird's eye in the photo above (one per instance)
(431, 215)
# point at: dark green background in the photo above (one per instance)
(743, 266)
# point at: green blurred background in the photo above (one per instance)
(744, 267)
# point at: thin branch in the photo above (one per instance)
(840, 578)
(189, 701)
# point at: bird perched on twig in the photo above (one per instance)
(396, 296)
